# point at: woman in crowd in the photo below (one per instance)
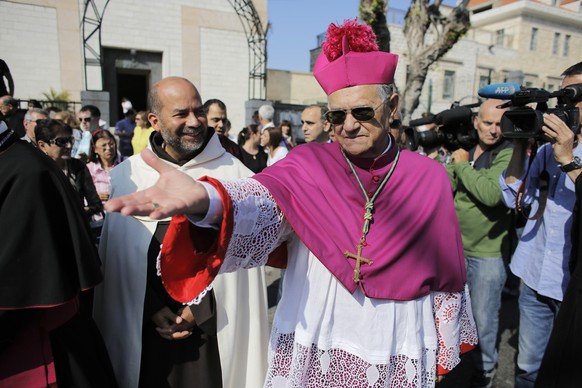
(141, 133)
(103, 157)
(271, 140)
(285, 127)
(254, 156)
(55, 139)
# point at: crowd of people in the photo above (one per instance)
(141, 262)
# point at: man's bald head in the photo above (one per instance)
(488, 122)
(167, 87)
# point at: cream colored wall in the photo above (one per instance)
(294, 87)
(41, 43)
(540, 65)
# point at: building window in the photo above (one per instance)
(483, 80)
(551, 87)
(556, 44)
(449, 85)
(566, 51)
(499, 37)
(533, 43)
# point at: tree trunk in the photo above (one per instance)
(373, 13)
(421, 20)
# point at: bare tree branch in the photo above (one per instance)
(423, 21)
(420, 19)
(373, 13)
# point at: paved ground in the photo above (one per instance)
(458, 378)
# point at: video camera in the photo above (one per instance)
(522, 121)
(454, 130)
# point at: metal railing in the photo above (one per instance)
(73, 106)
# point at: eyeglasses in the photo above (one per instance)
(362, 113)
(106, 145)
(62, 141)
(85, 119)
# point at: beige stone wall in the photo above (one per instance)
(541, 67)
(41, 42)
(294, 87)
(202, 40)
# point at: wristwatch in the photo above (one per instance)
(573, 165)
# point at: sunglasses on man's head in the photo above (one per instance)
(62, 141)
(362, 113)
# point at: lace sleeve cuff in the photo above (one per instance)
(252, 226)
(259, 225)
(456, 330)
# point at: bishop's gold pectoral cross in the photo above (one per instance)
(359, 259)
(358, 256)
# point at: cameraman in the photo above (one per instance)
(485, 227)
(541, 257)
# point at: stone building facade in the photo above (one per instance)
(142, 41)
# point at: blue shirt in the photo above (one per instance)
(124, 126)
(541, 257)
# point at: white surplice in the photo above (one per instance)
(118, 308)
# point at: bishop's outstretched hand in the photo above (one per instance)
(174, 193)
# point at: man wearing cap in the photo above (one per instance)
(374, 295)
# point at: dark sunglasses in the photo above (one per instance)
(85, 119)
(62, 141)
(363, 113)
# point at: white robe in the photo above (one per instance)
(241, 298)
(324, 336)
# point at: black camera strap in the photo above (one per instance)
(544, 185)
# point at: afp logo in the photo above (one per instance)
(505, 89)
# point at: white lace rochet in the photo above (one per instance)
(323, 336)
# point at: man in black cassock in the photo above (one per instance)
(48, 262)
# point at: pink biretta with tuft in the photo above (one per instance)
(350, 57)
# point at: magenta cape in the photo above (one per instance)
(414, 240)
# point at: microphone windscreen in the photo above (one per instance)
(500, 91)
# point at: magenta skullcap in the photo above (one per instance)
(350, 57)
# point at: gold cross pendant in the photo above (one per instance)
(359, 259)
